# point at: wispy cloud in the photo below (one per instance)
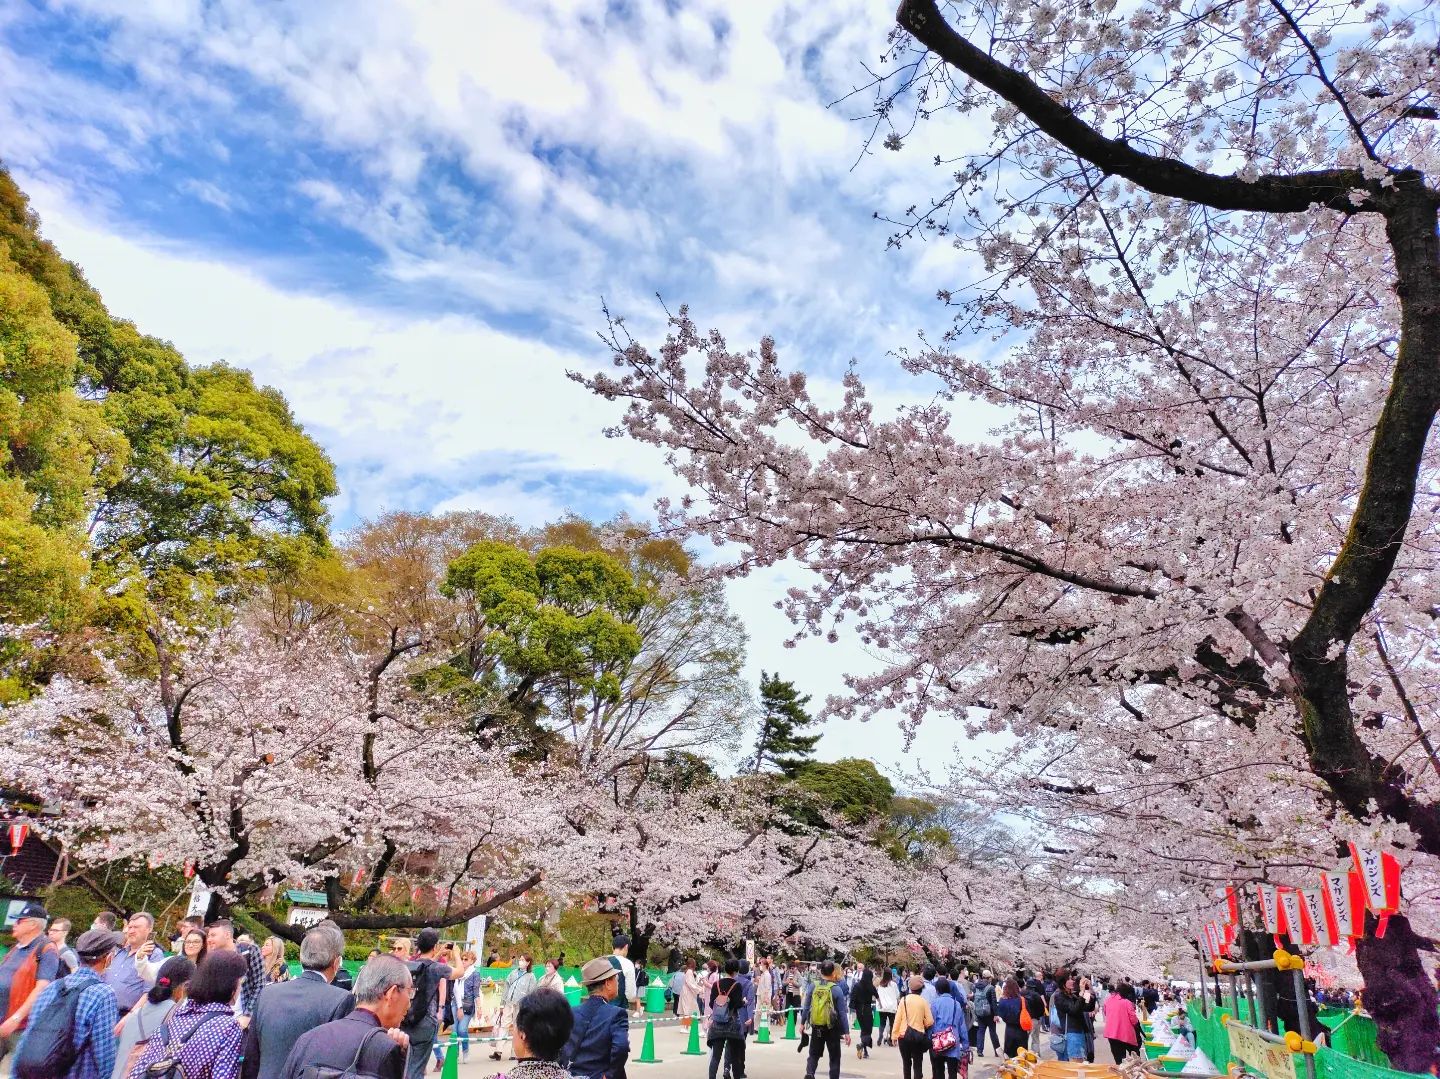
(405, 214)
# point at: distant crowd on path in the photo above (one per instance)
(940, 1015)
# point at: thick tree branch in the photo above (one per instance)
(1162, 176)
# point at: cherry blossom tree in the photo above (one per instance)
(1208, 237)
(722, 859)
(261, 760)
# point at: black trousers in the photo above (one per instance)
(887, 1024)
(1016, 1039)
(734, 1050)
(866, 1016)
(912, 1059)
(1120, 1050)
(943, 1067)
(822, 1039)
(977, 1035)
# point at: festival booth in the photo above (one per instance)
(1235, 1037)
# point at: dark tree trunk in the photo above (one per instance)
(1399, 995)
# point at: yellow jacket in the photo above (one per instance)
(914, 1011)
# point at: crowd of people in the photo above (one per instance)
(114, 1005)
(942, 1016)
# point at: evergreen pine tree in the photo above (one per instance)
(782, 743)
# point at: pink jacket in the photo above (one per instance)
(1121, 1022)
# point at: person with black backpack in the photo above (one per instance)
(71, 1033)
(201, 1037)
(422, 1021)
(727, 1023)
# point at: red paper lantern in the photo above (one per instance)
(1380, 878)
(1344, 896)
(18, 834)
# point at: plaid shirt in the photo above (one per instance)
(254, 980)
(95, 1019)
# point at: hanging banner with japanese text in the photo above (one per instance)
(1380, 876)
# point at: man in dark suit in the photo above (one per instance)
(367, 1038)
(599, 1044)
(286, 1010)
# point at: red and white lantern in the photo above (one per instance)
(1344, 896)
(189, 868)
(1232, 905)
(1312, 914)
(1380, 877)
(1215, 939)
(1290, 907)
(1271, 916)
(18, 835)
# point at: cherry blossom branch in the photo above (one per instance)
(1295, 193)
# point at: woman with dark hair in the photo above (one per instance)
(543, 1021)
(887, 999)
(863, 997)
(726, 1035)
(203, 1032)
(1122, 1024)
(950, 1036)
(192, 946)
(1008, 1008)
(149, 1012)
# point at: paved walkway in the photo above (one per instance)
(778, 1060)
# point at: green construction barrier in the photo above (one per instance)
(1213, 1040)
(1354, 1035)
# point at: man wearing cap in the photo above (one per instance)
(27, 969)
(93, 1032)
(599, 1043)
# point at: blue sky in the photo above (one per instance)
(406, 215)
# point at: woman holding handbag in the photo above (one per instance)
(913, 1022)
(949, 1038)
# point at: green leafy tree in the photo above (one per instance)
(781, 743)
(852, 786)
(183, 484)
(608, 647)
(55, 449)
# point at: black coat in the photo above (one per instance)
(335, 1045)
(283, 1012)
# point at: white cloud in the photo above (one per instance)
(511, 164)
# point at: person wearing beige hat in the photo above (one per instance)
(599, 1045)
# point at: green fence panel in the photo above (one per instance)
(1331, 1064)
(1357, 1037)
(1355, 1055)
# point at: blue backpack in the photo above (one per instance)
(48, 1048)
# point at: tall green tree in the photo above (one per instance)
(853, 786)
(611, 648)
(55, 451)
(781, 743)
(161, 488)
